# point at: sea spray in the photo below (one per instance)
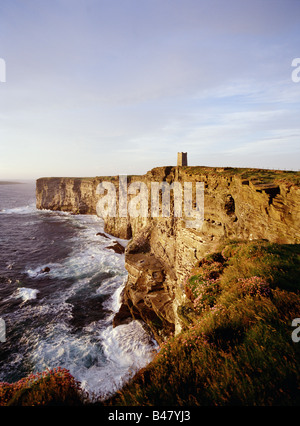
(63, 317)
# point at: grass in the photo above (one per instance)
(55, 387)
(236, 347)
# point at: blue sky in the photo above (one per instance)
(104, 87)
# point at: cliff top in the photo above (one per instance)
(256, 176)
(259, 175)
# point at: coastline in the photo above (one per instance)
(244, 204)
(207, 296)
(4, 182)
(71, 305)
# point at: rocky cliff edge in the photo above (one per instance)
(245, 204)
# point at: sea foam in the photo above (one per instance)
(101, 357)
(28, 209)
(26, 293)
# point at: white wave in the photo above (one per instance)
(86, 258)
(101, 357)
(102, 364)
(112, 285)
(82, 264)
(117, 297)
(28, 209)
(88, 252)
(127, 348)
(40, 270)
(26, 293)
(54, 212)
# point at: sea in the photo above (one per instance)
(60, 287)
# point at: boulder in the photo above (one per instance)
(117, 247)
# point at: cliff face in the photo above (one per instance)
(239, 204)
(73, 195)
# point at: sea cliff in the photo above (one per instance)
(242, 204)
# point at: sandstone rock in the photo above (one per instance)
(163, 250)
(101, 234)
(123, 316)
(117, 248)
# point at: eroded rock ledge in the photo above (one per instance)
(239, 204)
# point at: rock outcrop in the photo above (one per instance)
(238, 204)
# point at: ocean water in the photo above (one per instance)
(63, 317)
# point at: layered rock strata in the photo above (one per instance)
(238, 204)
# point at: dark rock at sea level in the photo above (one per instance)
(117, 247)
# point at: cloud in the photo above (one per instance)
(109, 85)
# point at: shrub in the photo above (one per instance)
(203, 288)
(52, 387)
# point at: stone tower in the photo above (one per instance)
(182, 159)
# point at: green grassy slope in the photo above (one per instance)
(236, 348)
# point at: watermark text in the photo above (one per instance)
(154, 200)
(2, 331)
(296, 71)
(2, 71)
(296, 332)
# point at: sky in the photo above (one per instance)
(108, 87)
